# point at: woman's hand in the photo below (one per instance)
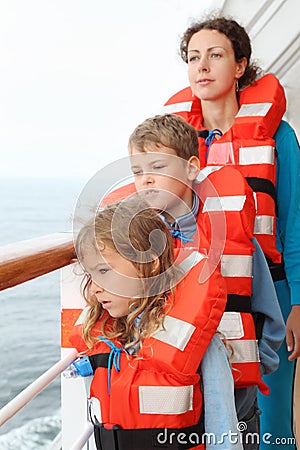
(293, 332)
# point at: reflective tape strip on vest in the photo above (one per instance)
(160, 386)
(248, 145)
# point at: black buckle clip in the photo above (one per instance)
(106, 436)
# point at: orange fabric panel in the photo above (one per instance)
(68, 319)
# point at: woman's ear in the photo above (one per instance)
(241, 67)
(193, 168)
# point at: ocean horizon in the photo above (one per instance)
(30, 313)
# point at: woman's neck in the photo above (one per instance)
(219, 113)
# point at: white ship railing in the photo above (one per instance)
(24, 261)
(25, 396)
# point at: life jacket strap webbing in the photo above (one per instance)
(99, 360)
(238, 303)
(265, 186)
(277, 270)
(262, 185)
(259, 320)
(114, 438)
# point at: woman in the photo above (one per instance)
(228, 104)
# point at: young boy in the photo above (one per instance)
(164, 155)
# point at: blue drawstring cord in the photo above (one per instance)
(211, 136)
(179, 235)
(114, 358)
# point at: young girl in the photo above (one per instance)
(145, 331)
(237, 113)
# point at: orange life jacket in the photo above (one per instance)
(248, 145)
(224, 191)
(224, 228)
(160, 387)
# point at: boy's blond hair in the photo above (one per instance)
(166, 130)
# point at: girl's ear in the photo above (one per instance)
(193, 168)
(155, 266)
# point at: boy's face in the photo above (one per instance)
(164, 179)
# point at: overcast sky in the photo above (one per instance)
(78, 75)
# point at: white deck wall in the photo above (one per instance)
(73, 394)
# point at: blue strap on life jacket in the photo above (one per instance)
(114, 358)
(179, 235)
(211, 136)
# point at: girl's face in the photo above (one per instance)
(212, 69)
(115, 280)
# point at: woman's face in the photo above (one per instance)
(212, 68)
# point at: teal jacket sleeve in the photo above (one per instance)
(288, 202)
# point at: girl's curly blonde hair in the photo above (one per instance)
(108, 229)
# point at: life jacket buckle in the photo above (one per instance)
(106, 436)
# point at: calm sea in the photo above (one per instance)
(29, 313)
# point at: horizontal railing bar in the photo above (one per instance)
(25, 260)
(82, 440)
(18, 402)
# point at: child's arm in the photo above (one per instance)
(218, 394)
(264, 301)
